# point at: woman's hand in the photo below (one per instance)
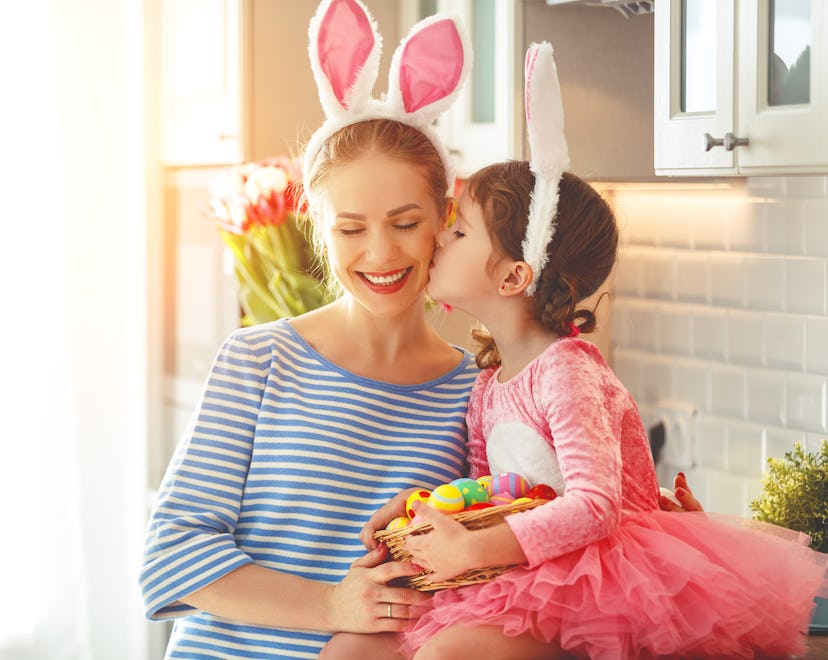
(394, 508)
(364, 603)
(687, 501)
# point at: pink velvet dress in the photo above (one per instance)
(609, 575)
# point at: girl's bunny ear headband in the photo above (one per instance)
(427, 72)
(549, 154)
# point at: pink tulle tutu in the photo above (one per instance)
(662, 584)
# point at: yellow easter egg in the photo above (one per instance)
(446, 499)
(421, 495)
(522, 500)
(484, 481)
(400, 522)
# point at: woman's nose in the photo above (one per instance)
(381, 245)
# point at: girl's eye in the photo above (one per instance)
(458, 234)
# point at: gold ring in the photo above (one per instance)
(389, 611)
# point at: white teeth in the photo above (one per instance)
(385, 279)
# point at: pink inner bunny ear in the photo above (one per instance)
(344, 43)
(431, 65)
(528, 73)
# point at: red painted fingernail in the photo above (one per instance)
(681, 474)
(417, 567)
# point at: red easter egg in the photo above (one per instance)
(542, 492)
(479, 505)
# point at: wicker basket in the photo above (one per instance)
(394, 540)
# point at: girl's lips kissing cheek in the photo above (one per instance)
(388, 282)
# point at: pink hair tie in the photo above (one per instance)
(574, 330)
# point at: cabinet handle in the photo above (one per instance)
(710, 142)
(729, 142)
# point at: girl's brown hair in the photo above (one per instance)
(581, 254)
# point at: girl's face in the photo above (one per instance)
(462, 273)
(379, 221)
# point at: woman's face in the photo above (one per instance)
(379, 221)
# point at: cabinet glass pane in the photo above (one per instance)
(789, 52)
(698, 56)
(483, 71)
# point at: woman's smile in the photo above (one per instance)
(386, 282)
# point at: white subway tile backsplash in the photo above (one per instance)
(658, 274)
(675, 330)
(711, 443)
(708, 221)
(727, 279)
(746, 226)
(778, 441)
(816, 345)
(805, 285)
(746, 261)
(727, 391)
(813, 441)
(710, 333)
(816, 227)
(744, 449)
(806, 186)
(691, 383)
(785, 341)
(628, 272)
(692, 277)
(746, 337)
(765, 280)
(766, 397)
(656, 378)
(806, 401)
(785, 227)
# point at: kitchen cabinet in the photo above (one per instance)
(741, 87)
(201, 77)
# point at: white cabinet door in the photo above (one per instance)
(485, 124)
(759, 107)
(694, 92)
(783, 86)
(201, 88)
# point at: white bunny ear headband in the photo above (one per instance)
(549, 157)
(427, 72)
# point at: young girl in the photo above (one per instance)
(603, 573)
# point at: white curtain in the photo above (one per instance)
(73, 302)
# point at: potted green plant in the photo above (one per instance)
(795, 495)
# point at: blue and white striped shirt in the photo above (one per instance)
(287, 457)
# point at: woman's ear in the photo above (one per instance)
(515, 278)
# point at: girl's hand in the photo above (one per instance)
(448, 550)
(683, 494)
(394, 508)
(362, 602)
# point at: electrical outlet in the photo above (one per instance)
(680, 419)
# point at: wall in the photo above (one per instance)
(721, 301)
(283, 105)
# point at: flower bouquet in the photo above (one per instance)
(262, 221)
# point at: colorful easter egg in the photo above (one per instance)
(509, 482)
(484, 481)
(522, 500)
(401, 522)
(446, 498)
(421, 495)
(541, 492)
(502, 498)
(479, 505)
(473, 491)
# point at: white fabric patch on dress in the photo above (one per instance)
(516, 447)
